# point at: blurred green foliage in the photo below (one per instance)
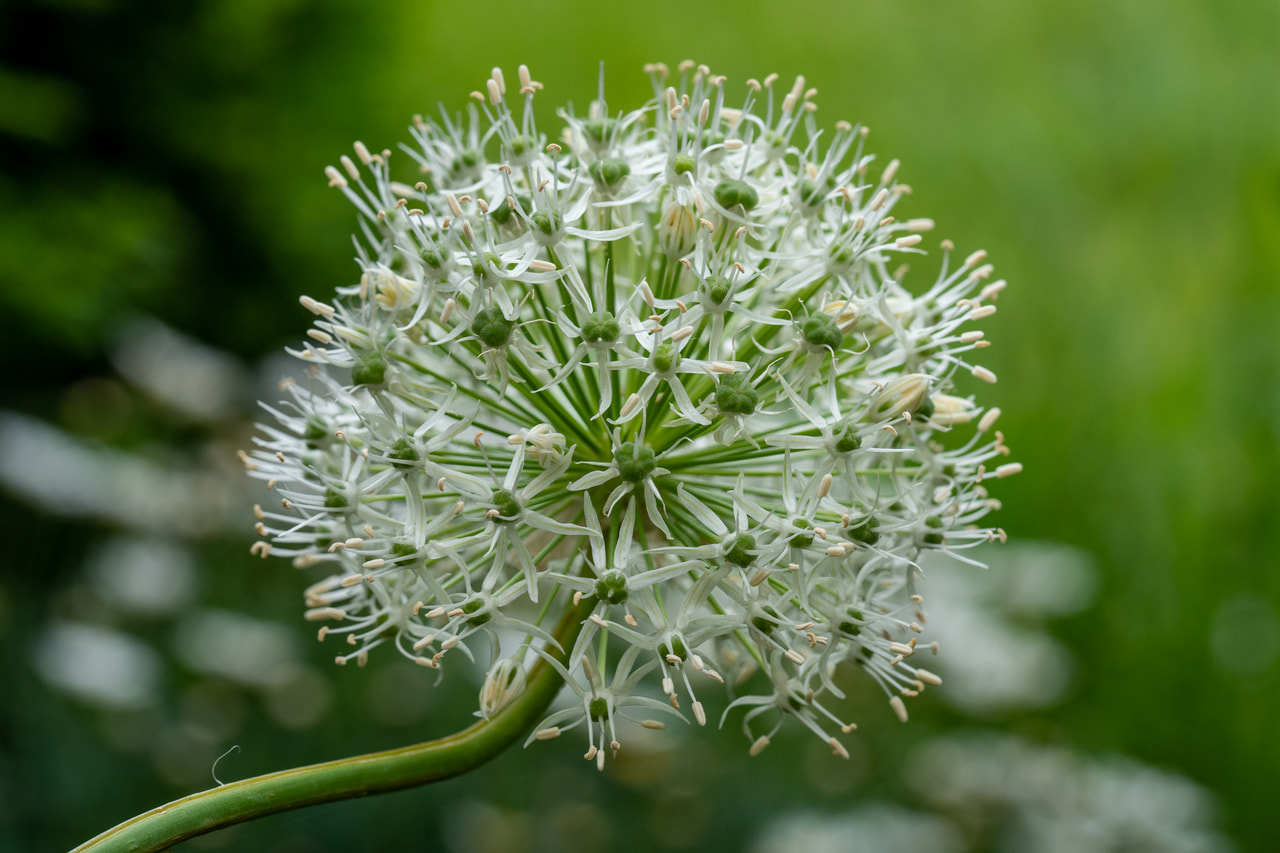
(1118, 160)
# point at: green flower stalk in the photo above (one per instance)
(661, 364)
(377, 773)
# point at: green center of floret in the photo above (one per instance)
(598, 708)
(664, 357)
(802, 540)
(934, 536)
(611, 587)
(821, 331)
(865, 532)
(371, 369)
(434, 257)
(483, 269)
(634, 463)
(811, 195)
(848, 440)
(738, 548)
(506, 504)
(598, 130)
(501, 211)
(492, 328)
(732, 193)
(601, 327)
(767, 620)
(797, 700)
(718, 289)
(403, 454)
(685, 163)
(465, 163)
(677, 648)
(842, 257)
(547, 223)
(609, 172)
(520, 146)
(315, 431)
(480, 618)
(853, 627)
(736, 396)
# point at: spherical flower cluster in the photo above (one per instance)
(661, 365)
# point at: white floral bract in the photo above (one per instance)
(661, 362)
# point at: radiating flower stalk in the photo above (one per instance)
(662, 365)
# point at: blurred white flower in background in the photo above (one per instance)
(237, 647)
(194, 380)
(99, 665)
(131, 635)
(1024, 796)
(869, 828)
(71, 476)
(144, 576)
(994, 792)
(999, 656)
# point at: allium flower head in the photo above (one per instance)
(664, 361)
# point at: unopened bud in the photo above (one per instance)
(949, 411)
(393, 291)
(544, 444)
(904, 394)
(503, 683)
(677, 231)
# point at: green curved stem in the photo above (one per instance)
(359, 776)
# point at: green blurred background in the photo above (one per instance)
(161, 182)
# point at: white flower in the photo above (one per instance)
(602, 705)
(659, 360)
